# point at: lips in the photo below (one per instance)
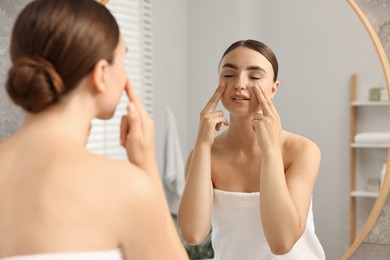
(240, 97)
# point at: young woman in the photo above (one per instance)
(253, 183)
(58, 200)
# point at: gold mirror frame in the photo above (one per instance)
(103, 2)
(384, 192)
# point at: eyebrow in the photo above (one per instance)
(232, 66)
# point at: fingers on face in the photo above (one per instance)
(130, 90)
(123, 130)
(264, 100)
(134, 99)
(213, 102)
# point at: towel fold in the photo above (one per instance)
(372, 137)
(173, 174)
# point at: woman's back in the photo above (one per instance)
(52, 193)
(68, 68)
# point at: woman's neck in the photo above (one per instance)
(241, 135)
(68, 122)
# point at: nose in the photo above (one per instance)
(240, 84)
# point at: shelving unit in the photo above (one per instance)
(356, 193)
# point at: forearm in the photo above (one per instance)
(152, 169)
(279, 215)
(195, 208)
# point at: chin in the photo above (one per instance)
(106, 116)
(239, 112)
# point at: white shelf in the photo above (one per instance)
(370, 145)
(364, 194)
(369, 103)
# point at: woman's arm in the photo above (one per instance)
(149, 231)
(194, 218)
(285, 196)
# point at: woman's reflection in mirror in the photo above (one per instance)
(253, 183)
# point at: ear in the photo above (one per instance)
(274, 88)
(99, 77)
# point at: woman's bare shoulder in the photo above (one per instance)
(120, 174)
(297, 144)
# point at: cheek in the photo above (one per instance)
(256, 107)
(224, 100)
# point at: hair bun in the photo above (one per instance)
(34, 84)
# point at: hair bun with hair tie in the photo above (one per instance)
(34, 84)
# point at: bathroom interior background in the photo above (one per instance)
(319, 44)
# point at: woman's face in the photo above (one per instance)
(116, 80)
(241, 69)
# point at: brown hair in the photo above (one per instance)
(54, 44)
(260, 48)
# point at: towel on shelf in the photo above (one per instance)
(173, 174)
(372, 137)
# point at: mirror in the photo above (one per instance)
(319, 45)
(316, 60)
(373, 242)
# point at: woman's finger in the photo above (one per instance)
(124, 129)
(134, 123)
(213, 102)
(132, 95)
(261, 97)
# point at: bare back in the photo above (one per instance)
(52, 193)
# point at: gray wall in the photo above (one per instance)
(170, 69)
(11, 117)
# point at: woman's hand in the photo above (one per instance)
(267, 122)
(137, 132)
(210, 119)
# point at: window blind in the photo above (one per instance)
(135, 22)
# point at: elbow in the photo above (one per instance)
(191, 236)
(281, 248)
(192, 239)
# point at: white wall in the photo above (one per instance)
(171, 69)
(319, 44)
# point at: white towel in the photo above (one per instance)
(103, 255)
(237, 232)
(173, 174)
(372, 137)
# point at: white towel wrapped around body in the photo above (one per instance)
(237, 232)
(115, 254)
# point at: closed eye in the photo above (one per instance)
(255, 78)
(228, 76)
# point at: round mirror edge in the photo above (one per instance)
(103, 2)
(384, 192)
